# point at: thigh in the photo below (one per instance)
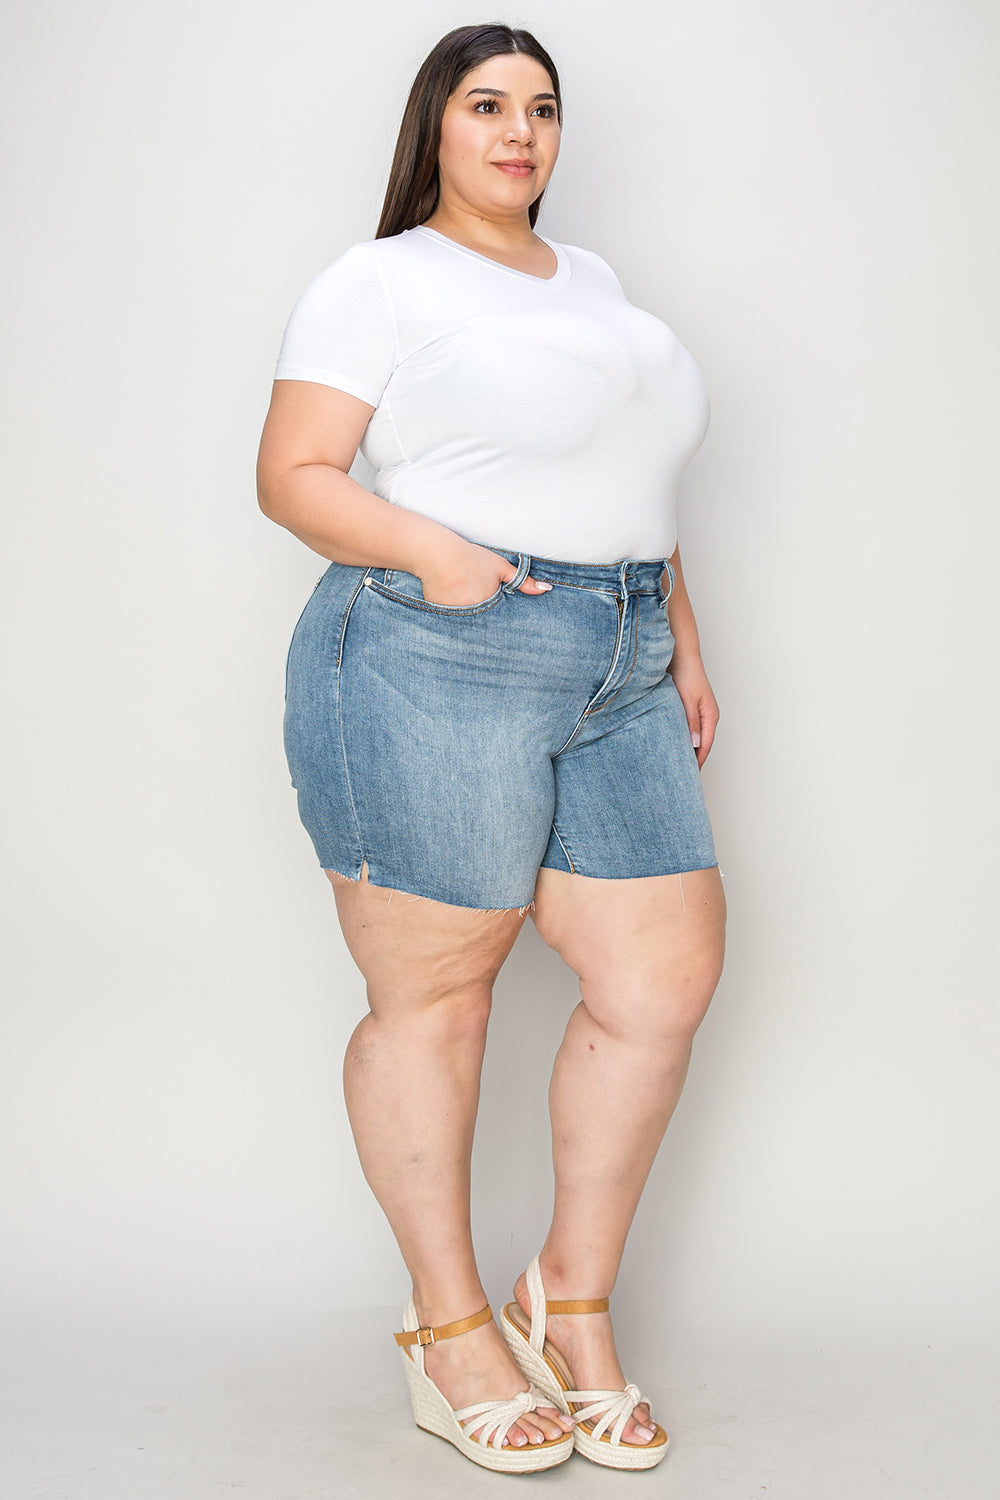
(412, 950)
(451, 788)
(649, 949)
(629, 798)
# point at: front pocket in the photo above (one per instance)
(407, 589)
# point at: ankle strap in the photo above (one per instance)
(424, 1336)
(599, 1304)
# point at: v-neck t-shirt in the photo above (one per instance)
(543, 415)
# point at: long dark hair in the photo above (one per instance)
(412, 193)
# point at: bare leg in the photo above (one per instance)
(649, 954)
(411, 1081)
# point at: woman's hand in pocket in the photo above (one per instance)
(468, 574)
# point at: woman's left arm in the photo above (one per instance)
(686, 666)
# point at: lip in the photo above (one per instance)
(514, 167)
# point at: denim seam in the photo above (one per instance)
(604, 681)
(665, 597)
(576, 730)
(586, 588)
(347, 783)
(376, 587)
(344, 617)
(596, 708)
(340, 734)
(510, 586)
(569, 857)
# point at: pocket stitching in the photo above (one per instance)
(428, 606)
(664, 597)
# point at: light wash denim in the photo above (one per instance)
(457, 748)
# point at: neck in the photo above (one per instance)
(481, 231)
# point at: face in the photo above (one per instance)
(499, 137)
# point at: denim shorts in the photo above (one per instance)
(458, 748)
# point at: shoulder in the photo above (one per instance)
(371, 265)
(357, 264)
(589, 261)
(354, 285)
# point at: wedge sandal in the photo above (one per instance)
(494, 1419)
(599, 1416)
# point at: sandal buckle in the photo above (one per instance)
(425, 1336)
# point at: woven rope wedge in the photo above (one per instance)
(490, 1420)
(600, 1416)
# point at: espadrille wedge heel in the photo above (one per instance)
(494, 1419)
(600, 1416)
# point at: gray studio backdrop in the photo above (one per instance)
(803, 194)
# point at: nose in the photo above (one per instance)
(520, 131)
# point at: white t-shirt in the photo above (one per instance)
(545, 416)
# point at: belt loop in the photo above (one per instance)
(670, 574)
(523, 568)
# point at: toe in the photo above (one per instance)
(640, 1428)
(554, 1424)
(528, 1431)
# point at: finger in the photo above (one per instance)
(709, 723)
(701, 742)
(692, 712)
(529, 585)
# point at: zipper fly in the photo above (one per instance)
(615, 655)
(594, 703)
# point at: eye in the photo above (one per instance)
(487, 105)
(546, 110)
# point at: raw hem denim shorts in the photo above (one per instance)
(458, 748)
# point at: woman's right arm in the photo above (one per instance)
(310, 439)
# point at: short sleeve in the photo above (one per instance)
(601, 265)
(342, 332)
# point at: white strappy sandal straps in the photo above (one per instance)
(540, 1305)
(599, 1416)
(500, 1416)
(607, 1406)
(490, 1420)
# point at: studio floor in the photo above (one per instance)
(122, 1408)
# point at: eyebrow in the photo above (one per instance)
(503, 94)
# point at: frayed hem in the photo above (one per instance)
(392, 892)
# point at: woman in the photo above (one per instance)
(480, 723)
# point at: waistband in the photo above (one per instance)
(629, 575)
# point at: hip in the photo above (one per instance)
(597, 641)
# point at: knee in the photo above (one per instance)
(460, 1016)
(690, 993)
(659, 1008)
(456, 1014)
